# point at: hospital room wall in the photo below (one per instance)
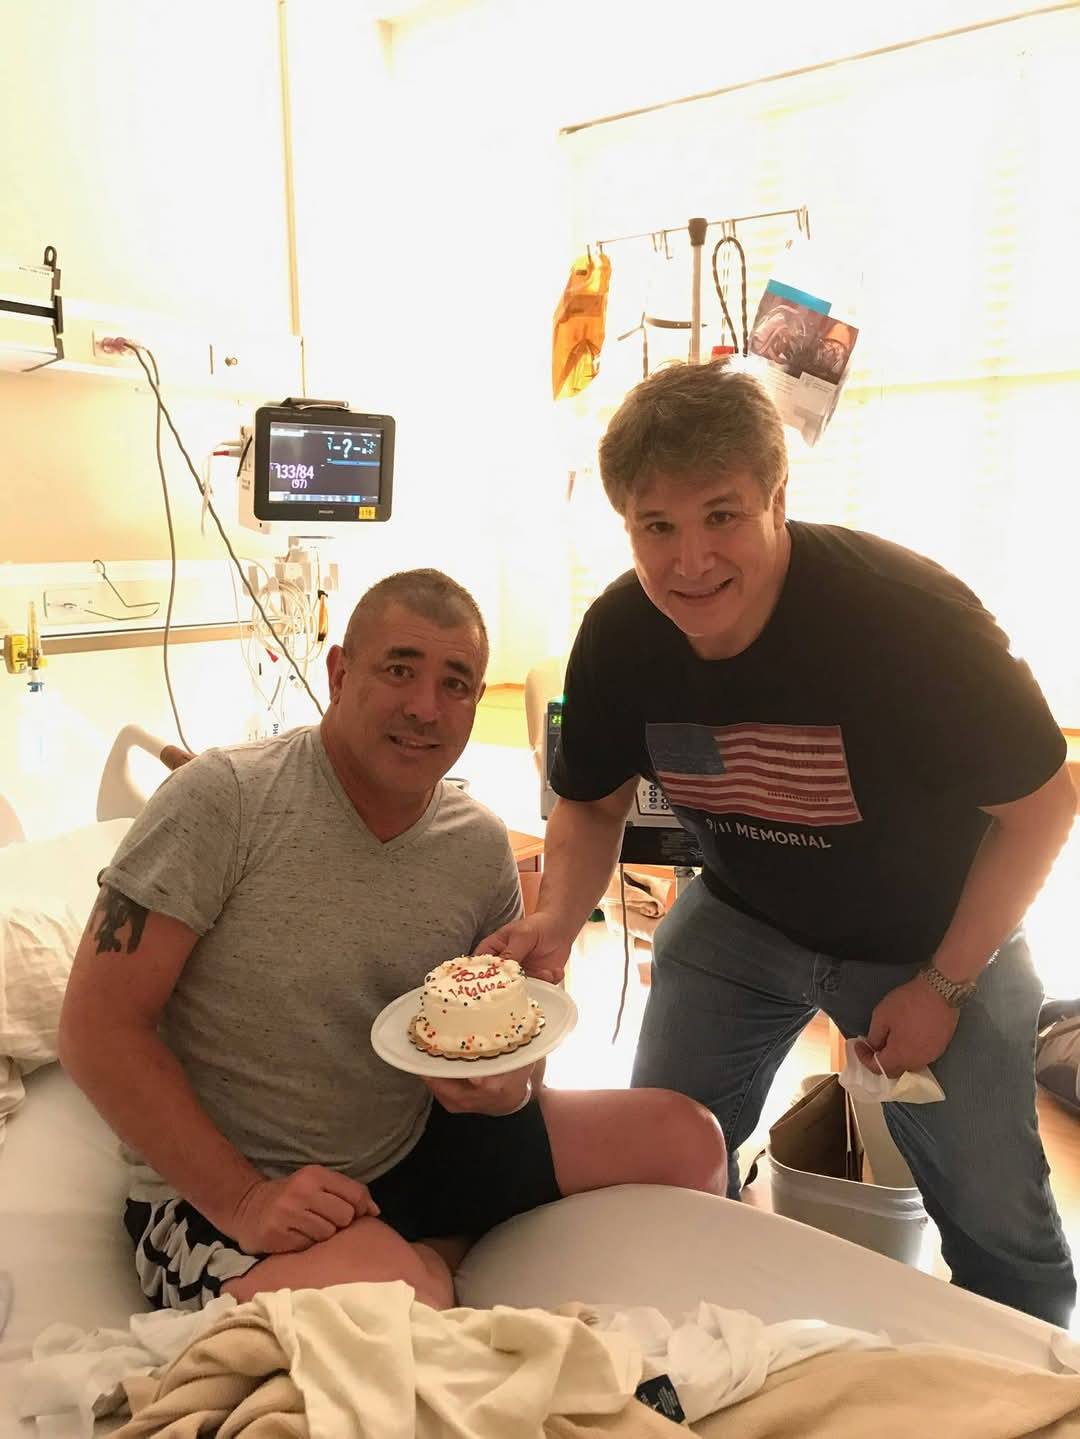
(145, 142)
(156, 202)
(362, 301)
(431, 213)
(153, 159)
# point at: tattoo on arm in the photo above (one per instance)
(117, 911)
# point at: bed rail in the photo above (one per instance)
(119, 795)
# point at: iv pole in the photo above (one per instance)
(697, 229)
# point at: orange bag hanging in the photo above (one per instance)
(579, 326)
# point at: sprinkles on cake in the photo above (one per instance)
(492, 990)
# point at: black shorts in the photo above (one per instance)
(466, 1174)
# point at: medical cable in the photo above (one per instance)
(302, 618)
(172, 563)
(138, 351)
(243, 457)
(626, 952)
(296, 621)
(254, 675)
(723, 243)
(299, 619)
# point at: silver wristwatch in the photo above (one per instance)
(955, 994)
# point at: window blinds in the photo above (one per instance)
(941, 186)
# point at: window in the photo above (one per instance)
(940, 184)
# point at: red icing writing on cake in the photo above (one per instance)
(473, 982)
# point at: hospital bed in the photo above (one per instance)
(62, 1184)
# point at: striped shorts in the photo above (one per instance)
(181, 1259)
(466, 1174)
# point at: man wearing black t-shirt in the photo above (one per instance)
(878, 789)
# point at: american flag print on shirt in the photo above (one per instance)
(794, 774)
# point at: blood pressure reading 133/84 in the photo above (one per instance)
(324, 464)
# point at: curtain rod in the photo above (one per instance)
(801, 213)
(819, 66)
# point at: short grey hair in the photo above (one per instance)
(428, 593)
(692, 419)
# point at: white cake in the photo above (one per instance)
(475, 1007)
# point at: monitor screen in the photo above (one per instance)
(326, 464)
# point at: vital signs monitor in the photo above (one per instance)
(312, 461)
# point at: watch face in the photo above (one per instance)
(958, 994)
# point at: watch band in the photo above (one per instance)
(954, 992)
(527, 1100)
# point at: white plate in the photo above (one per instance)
(390, 1037)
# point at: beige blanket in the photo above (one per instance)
(367, 1361)
(234, 1382)
(636, 1421)
(908, 1393)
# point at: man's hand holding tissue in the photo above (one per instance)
(910, 1028)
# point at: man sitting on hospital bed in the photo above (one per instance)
(267, 904)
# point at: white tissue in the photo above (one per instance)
(75, 1376)
(913, 1086)
(718, 1357)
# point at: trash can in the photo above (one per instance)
(827, 1159)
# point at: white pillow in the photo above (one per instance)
(47, 890)
(38, 939)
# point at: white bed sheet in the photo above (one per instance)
(669, 1248)
(62, 1238)
(63, 1241)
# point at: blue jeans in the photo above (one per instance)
(730, 996)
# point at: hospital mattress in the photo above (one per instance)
(63, 1243)
(62, 1238)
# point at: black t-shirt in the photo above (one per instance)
(833, 771)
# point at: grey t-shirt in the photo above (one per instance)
(308, 927)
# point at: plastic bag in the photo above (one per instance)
(579, 326)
